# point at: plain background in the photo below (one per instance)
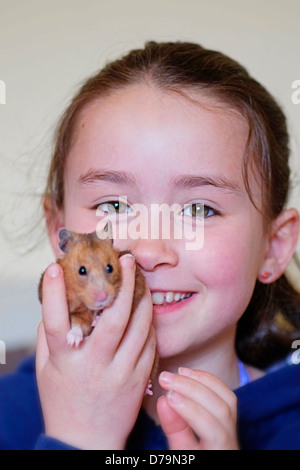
(48, 47)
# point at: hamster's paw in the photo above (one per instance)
(148, 390)
(75, 336)
(95, 321)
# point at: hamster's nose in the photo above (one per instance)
(101, 296)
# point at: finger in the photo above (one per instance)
(210, 381)
(137, 331)
(55, 308)
(226, 407)
(141, 370)
(146, 361)
(42, 351)
(203, 395)
(179, 434)
(210, 431)
(113, 321)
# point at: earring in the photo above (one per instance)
(265, 275)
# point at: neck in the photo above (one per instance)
(218, 357)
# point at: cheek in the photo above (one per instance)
(78, 219)
(228, 265)
(235, 251)
(225, 266)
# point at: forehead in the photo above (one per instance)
(157, 133)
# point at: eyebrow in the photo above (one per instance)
(180, 182)
(116, 177)
(192, 181)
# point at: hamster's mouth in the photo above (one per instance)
(100, 304)
(169, 298)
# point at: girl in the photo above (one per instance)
(171, 123)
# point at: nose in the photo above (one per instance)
(152, 254)
(101, 296)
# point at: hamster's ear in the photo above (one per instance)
(106, 233)
(65, 237)
(55, 220)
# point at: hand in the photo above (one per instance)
(91, 396)
(198, 413)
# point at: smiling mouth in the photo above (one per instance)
(169, 298)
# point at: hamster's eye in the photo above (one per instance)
(82, 271)
(109, 268)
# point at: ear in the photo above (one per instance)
(54, 221)
(106, 233)
(66, 238)
(282, 244)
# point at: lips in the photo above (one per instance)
(169, 298)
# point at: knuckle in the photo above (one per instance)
(204, 375)
(40, 328)
(226, 412)
(52, 332)
(233, 401)
(113, 328)
(228, 408)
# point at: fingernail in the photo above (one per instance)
(174, 397)
(185, 371)
(127, 260)
(53, 270)
(166, 377)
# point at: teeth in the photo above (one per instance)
(169, 297)
(158, 298)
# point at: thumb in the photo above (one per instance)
(55, 308)
(179, 434)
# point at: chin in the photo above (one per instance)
(170, 347)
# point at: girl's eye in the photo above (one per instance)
(82, 271)
(114, 207)
(199, 210)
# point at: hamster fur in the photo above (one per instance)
(93, 278)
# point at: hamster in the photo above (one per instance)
(93, 278)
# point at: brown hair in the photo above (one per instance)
(182, 67)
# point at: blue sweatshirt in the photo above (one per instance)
(268, 414)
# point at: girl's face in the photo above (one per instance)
(154, 147)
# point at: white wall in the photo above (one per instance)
(48, 46)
